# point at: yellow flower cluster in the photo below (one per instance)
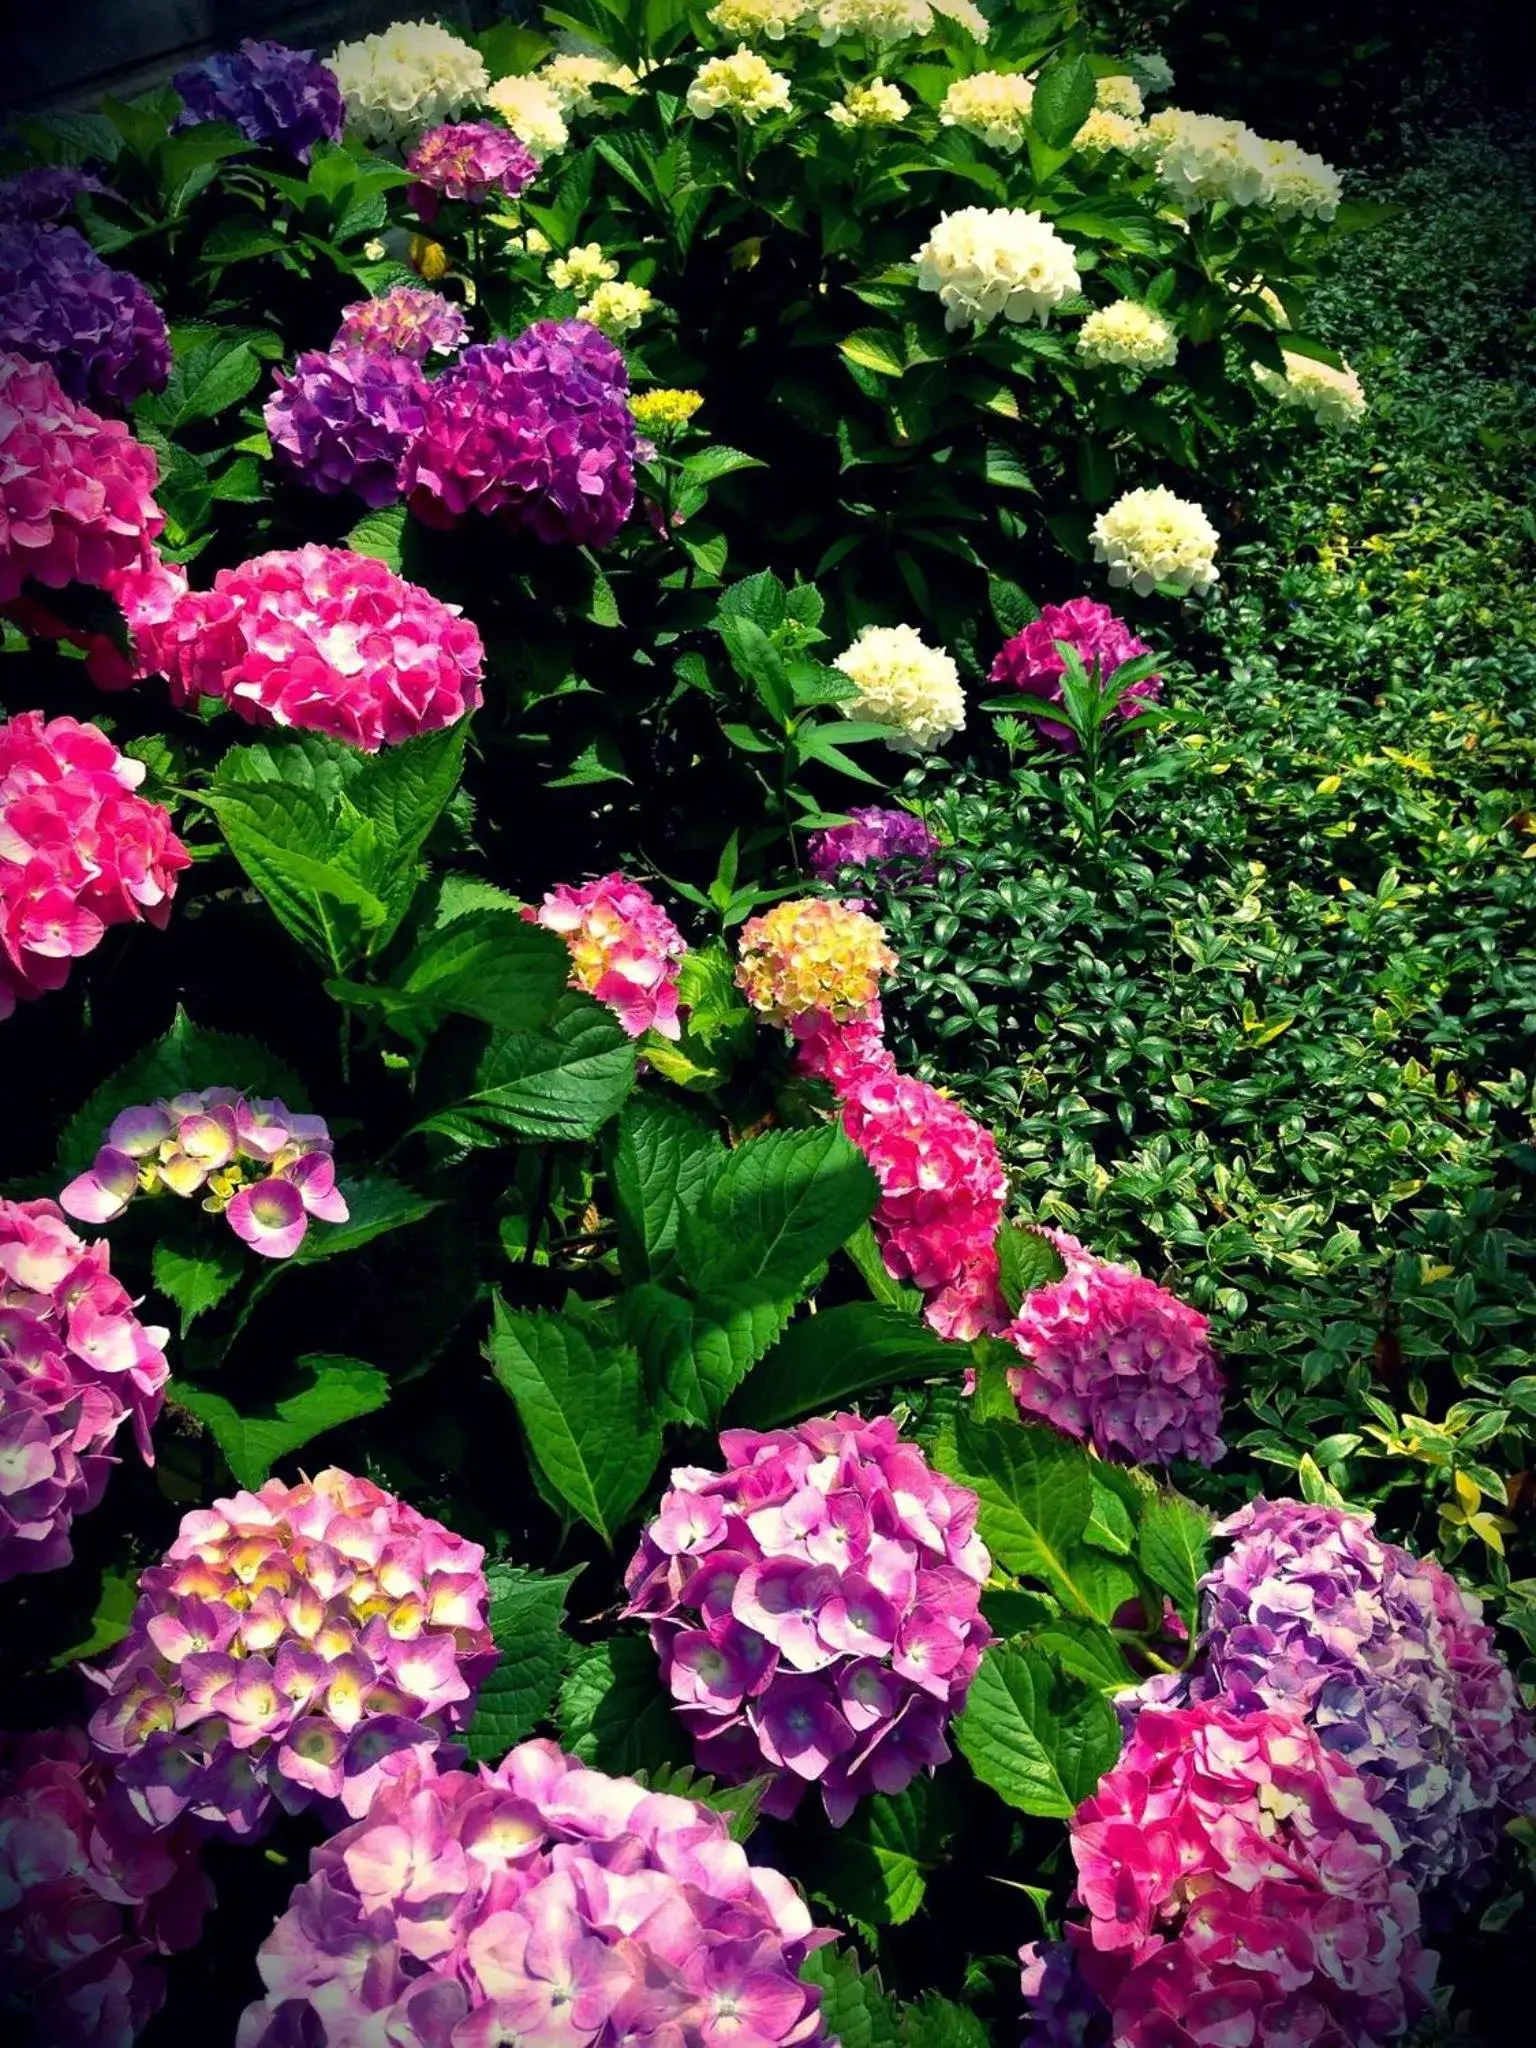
(752, 21)
(1104, 130)
(582, 269)
(664, 411)
(1120, 95)
(809, 954)
(570, 79)
(1128, 334)
(615, 309)
(1152, 537)
(875, 104)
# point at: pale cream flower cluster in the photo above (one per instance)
(905, 685)
(1149, 537)
(745, 85)
(411, 76)
(875, 104)
(1128, 334)
(582, 269)
(892, 21)
(993, 105)
(985, 261)
(1120, 94)
(1202, 158)
(1300, 182)
(570, 78)
(1104, 130)
(753, 21)
(1334, 397)
(615, 309)
(532, 112)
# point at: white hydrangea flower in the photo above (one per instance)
(968, 16)
(1149, 537)
(534, 242)
(892, 21)
(875, 104)
(906, 685)
(1334, 397)
(745, 85)
(616, 308)
(1120, 95)
(1301, 182)
(582, 269)
(1128, 334)
(1105, 130)
(993, 105)
(532, 112)
(1202, 158)
(754, 21)
(410, 76)
(985, 261)
(570, 78)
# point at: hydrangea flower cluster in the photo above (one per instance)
(875, 103)
(1240, 1887)
(816, 1608)
(744, 85)
(1128, 334)
(992, 105)
(253, 1160)
(1115, 1359)
(906, 685)
(1333, 395)
(297, 1645)
(1203, 158)
(88, 1899)
(751, 21)
(1301, 183)
(406, 321)
(616, 308)
(270, 93)
(582, 269)
(537, 1901)
(991, 261)
(1104, 130)
(538, 430)
(46, 192)
(325, 640)
(1029, 661)
(79, 851)
(1151, 536)
(408, 77)
(807, 955)
(96, 328)
(894, 844)
(1120, 94)
(664, 411)
(342, 419)
(532, 112)
(470, 162)
(573, 75)
(1061, 2009)
(1311, 1613)
(624, 949)
(892, 21)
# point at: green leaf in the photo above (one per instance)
(613, 1712)
(1086, 1649)
(1357, 214)
(756, 659)
(526, 1612)
(935, 2022)
(697, 1352)
(488, 964)
(560, 1083)
(1173, 1547)
(331, 1390)
(775, 1209)
(1039, 1736)
(197, 1275)
(376, 1205)
(855, 2011)
(660, 1161)
(582, 1404)
(1110, 1525)
(872, 348)
(1026, 1260)
(1064, 95)
(710, 464)
(110, 1618)
(380, 536)
(875, 1868)
(825, 1360)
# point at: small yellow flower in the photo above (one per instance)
(808, 955)
(664, 411)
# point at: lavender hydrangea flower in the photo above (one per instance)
(45, 193)
(895, 844)
(96, 328)
(468, 161)
(406, 321)
(344, 418)
(1061, 2008)
(270, 93)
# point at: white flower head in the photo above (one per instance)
(532, 112)
(906, 685)
(1119, 94)
(744, 84)
(758, 21)
(1202, 159)
(893, 21)
(875, 104)
(407, 78)
(1334, 397)
(1105, 130)
(570, 79)
(582, 269)
(1128, 334)
(1301, 182)
(993, 105)
(615, 309)
(1149, 537)
(986, 261)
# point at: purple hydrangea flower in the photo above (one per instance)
(816, 1609)
(1061, 2008)
(536, 429)
(894, 843)
(1030, 662)
(96, 328)
(270, 93)
(406, 321)
(468, 161)
(343, 419)
(45, 193)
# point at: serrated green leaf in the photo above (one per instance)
(661, 1158)
(376, 1205)
(380, 536)
(110, 1617)
(1026, 1260)
(697, 1351)
(1064, 96)
(198, 1272)
(1040, 1737)
(526, 1611)
(774, 1210)
(327, 1391)
(739, 1805)
(935, 2022)
(875, 1868)
(825, 1360)
(559, 1083)
(1086, 1649)
(855, 2010)
(613, 1712)
(1173, 1543)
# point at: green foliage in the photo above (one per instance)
(527, 1609)
(1038, 1734)
(323, 1392)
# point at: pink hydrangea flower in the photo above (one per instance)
(1240, 1888)
(816, 1608)
(624, 949)
(320, 639)
(1117, 1360)
(470, 162)
(407, 321)
(538, 1902)
(75, 1365)
(253, 1160)
(300, 1644)
(79, 851)
(1030, 661)
(89, 1899)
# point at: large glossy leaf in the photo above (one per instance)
(527, 1609)
(830, 1358)
(660, 1161)
(1039, 1736)
(615, 1713)
(775, 1209)
(698, 1350)
(561, 1082)
(324, 1392)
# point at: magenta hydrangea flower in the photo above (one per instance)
(75, 1365)
(538, 430)
(321, 639)
(254, 1160)
(46, 192)
(88, 1898)
(96, 328)
(1240, 1887)
(624, 949)
(342, 419)
(270, 93)
(79, 851)
(1310, 1612)
(816, 1609)
(468, 161)
(407, 321)
(1030, 661)
(1119, 1361)
(894, 844)
(300, 1644)
(537, 1902)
